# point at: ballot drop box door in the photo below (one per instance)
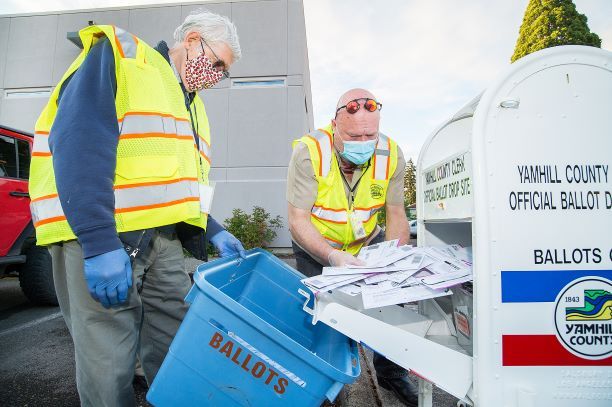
(523, 174)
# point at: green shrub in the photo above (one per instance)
(256, 229)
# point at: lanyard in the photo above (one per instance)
(195, 126)
(352, 190)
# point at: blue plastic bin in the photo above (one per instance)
(246, 341)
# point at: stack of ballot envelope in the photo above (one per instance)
(395, 274)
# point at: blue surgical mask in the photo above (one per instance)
(358, 152)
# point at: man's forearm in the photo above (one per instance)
(397, 226)
(309, 238)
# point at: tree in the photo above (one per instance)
(409, 183)
(549, 23)
(409, 191)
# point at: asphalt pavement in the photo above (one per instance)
(36, 354)
(37, 359)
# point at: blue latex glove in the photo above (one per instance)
(227, 244)
(109, 277)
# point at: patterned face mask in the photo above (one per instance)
(200, 73)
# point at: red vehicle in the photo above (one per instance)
(18, 250)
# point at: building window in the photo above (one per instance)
(257, 83)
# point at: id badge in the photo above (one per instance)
(206, 197)
(357, 226)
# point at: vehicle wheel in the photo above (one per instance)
(36, 276)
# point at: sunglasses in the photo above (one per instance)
(353, 106)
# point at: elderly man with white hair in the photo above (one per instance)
(119, 187)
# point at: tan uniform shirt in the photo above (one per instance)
(302, 186)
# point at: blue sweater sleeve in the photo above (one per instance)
(212, 227)
(83, 142)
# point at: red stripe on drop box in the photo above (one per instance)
(542, 350)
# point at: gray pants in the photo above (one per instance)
(106, 341)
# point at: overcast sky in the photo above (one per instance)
(423, 59)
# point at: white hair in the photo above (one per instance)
(212, 27)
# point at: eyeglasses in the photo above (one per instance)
(219, 64)
(353, 106)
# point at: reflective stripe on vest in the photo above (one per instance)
(364, 214)
(40, 148)
(154, 123)
(381, 158)
(341, 216)
(139, 126)
(333, 243)
(135, 125)
(325, 147)
(204, 148)
(142, 125)
(127, 198)
(127, 44)
(330, 215)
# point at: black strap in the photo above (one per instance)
(194, 124)
(352, 190)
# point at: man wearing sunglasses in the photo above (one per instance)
(119, 187)
(339, 178)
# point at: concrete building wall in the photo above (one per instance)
(254, 115)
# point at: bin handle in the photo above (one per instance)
(355, 364)
(305, 307)
(333, 391)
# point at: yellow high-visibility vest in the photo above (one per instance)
(160, 169)
(331, 211)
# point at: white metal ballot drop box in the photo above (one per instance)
(523, 175)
